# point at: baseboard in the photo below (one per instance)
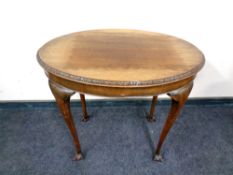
(115, 102)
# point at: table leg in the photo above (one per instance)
(83, 101)
(151, 117)
(62, 96)
(179, 98)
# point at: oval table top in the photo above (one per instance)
(118, 57)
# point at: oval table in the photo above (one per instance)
(120, 63)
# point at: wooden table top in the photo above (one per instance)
(120, 58)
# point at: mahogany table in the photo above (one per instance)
(119, 63)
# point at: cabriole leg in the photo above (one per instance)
(151, 117)
(62, 96)
(83, 101)
(178, 98)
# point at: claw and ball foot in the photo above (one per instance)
(78, 156)
(179, 98)
(85, 119)
(158, 158)
(151, 119)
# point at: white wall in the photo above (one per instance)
(26, 24)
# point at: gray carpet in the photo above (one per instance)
(116, 140)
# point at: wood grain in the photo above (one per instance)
(120, 58)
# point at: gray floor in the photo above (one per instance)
(116, 140)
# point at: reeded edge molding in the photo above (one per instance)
(90, 81)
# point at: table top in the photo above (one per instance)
(117, 57)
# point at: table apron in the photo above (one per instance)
(113, 91)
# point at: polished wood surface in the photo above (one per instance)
(120, 58)
(178, 98)
(151, 116)
(83, 102)
(112, 91)
(62, 96)
(120, 63)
